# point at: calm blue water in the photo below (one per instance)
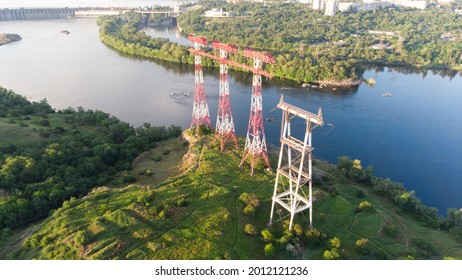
(412, 137)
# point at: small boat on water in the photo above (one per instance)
(387, 94)
(269, 119)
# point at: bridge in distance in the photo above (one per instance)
(64, 13)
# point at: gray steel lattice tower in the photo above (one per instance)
(295, 164)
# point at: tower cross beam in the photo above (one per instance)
(232, 63)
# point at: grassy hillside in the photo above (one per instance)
(200, 212)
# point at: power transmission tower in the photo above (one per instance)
(294, 169)
(200, 115)
(225, 125)
(255, 143)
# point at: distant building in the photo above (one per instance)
(331, 7)
(344, 6)
(318, 5)
(356, 7)
(411, 4)
(218, 13)
(418, 4)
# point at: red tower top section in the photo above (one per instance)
(230, 48)
(199, 40)
(264, 57)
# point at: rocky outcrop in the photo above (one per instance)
(8, 38)
(342, 83)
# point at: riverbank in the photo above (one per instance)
(342, 83)
(6, 38)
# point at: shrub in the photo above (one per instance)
(249, 209)
(298, 230)
(363, 246)
(332, 254)
(364, 206)
(315, 237)
(44, 122)
(250, 229)
(335, 242)
(390, 230)
(269, 250)
(267, 235)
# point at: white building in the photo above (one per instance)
(318, 5)
(409, 3)
(331, 7)
(344, 6)
(217, 13)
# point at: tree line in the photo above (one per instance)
(87, 150)
(406, 200)
(310, 46)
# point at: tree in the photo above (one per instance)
(269, 250)
(267, 235)
(364, 206)
(363, 246)
(250, 229)
(332, 254)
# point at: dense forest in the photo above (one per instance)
(48, 156)
(310, 46)
(123, 34)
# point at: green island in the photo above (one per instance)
(6, 38)
(308, 46)
(81, 184)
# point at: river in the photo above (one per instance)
(412, 137)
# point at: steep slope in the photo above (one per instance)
(200, 214)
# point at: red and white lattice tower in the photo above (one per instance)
(255, 143)
(200, 115)
(225, 125)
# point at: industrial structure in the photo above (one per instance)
(224, 130)
(294, 171)
(255, 144)
(200, 115)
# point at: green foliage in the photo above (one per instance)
(353, 169)
(425, 249)
(390, 230)
(250, 229)
(315, 237)
(363, 246)
(332, 254)
(269, 250)
(43, 174)
(122, 33)
(396, 192)
(364, 206)
(248, 209)
(335, 242)
(267, 235)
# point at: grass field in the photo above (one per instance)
(192, 210)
